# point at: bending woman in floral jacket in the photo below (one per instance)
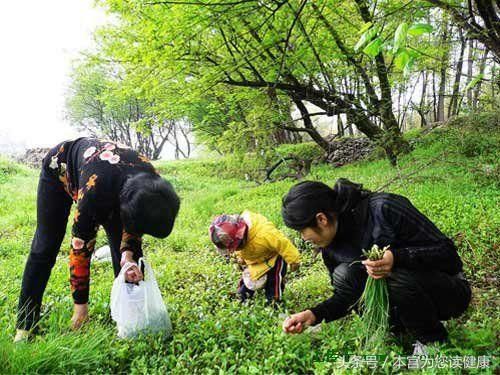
(112, 186)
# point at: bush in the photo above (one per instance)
(9, 168)
(475, 144)
(475, 134)
(303, 151)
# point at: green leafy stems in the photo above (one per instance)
(374, 305)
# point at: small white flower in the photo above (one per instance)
(114, 159)
(89, 152)
(106, 155)
(53, 162)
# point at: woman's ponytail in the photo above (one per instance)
(347, 195)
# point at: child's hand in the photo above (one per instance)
(294, 266)
(296, 323)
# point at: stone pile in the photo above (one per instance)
(33, 157)
(348, 150)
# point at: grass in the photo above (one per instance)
(447, 178)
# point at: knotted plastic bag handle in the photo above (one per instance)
(125, 268)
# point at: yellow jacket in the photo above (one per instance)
(264, 243)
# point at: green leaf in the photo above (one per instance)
(402, 58)
(400, 36)
(365, 38)
(414, 53)
(365, 27)
(474, 82)
(408, 67)
(419, 29)
(374, 47)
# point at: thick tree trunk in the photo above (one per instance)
(393, 142)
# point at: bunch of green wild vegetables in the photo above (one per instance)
(374, 304)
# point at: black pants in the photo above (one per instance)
(53, 207)
(418, 300)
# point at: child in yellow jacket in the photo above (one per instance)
(260, 248)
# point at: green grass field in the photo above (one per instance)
(452, 176)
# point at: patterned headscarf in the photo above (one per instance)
(228, 231)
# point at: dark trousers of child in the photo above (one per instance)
(418, 300)
(274, 287)
(53, 208)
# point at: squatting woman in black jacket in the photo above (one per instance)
(422, 266)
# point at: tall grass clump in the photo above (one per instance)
(55, 353)
(374, 305)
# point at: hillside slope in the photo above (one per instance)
(452, 176)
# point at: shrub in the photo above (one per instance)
(303, 151)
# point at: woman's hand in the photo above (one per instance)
(80, 315)
(133, 274)
(380, 268)
(296, 323)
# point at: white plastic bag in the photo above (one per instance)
(138, 308)
(102, 254)
(253, 284)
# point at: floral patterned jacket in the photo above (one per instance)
(92, 172)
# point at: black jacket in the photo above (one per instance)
(386, 219)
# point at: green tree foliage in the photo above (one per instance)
(304, 51)
(235, 69)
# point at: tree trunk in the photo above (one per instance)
(434, 96)
(422, 99)
(340, 126)
(442, 71)
(453, 108)
(393, 143)
(470, 66)
(441, 94)
(313, 133)
(477, 89)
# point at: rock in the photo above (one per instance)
(33, 157)
(348, 150)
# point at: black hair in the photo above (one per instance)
(308, 198)
(148, 204)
